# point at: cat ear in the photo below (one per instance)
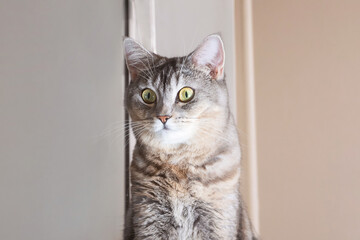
(138, 59)
(211, 55)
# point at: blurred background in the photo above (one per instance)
(292, 69)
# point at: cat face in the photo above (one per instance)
(176, 100)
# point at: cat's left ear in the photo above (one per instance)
(138, 59)
(210, 54)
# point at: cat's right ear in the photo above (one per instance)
(138, 59)
(210, 55)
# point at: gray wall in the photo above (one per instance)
(61, 85)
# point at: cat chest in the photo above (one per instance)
(189, 212)
(184, 215)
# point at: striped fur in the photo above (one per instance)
(185, 174)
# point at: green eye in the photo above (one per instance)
(148, 96)
(186, 94)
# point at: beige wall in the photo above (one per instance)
(307, 59)
(61, 86)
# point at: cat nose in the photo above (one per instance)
(163, 119)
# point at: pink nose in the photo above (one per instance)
(163, 119)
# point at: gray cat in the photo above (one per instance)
(185, 170)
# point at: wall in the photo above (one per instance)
(307, 59)
(182, 25)
(61, 85)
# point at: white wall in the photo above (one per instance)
(182, 25)
(61, 88)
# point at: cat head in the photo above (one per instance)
(181, 100)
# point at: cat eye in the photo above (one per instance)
(148, 96)
(186, 94)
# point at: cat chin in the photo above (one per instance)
(172, 137)
(171, 134)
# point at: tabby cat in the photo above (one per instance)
(185, 170)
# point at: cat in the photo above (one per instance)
(185, 171)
